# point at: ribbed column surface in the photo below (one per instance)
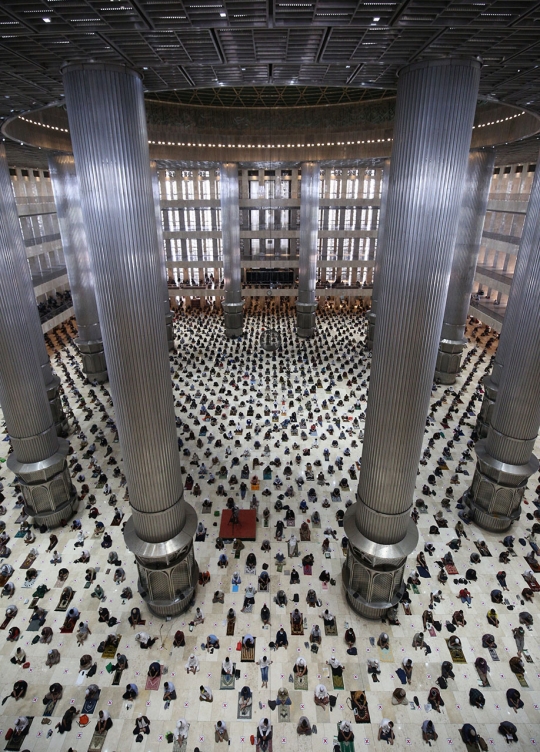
(469, 235)
(108, 130)
(76, 255)
(512, 313)
(230, 227)
(380, 236)
(309, 230)
(434, 116)
(22, 391)
(161, 242)
(20, 260)
(516, 415)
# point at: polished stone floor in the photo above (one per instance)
(239, 375)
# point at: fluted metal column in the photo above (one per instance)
(107, 123)
(307, 260)
(433, 125)
(372, 315)
(81, 280)
(39, 456)
(159, 223)
(28, 298)
(232, 304)
(509, 330)
(470, 225)
(504, 459)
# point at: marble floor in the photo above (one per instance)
(243, 379)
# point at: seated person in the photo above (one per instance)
(300, 667)
(311, 598)
(227, 667)
(265, 614)
(85, 662)
(350, 637)
(492, 617)
(516, 665)
(251, 563)
(321, 696)
(476, 698)
(328, 618)
(335, 666)
(135, 617)
(154, 669)
(104, 614)
(144, 640)
(92, 692)
(345, 732)
(428, 732)
(179, 640)
(303, 727)
(383, 641)
(218, 597)
(315, 635)
(54, 694)
(281, 639)
(386, 731)
(245, 699)
(509, 731)
(488, 641)
(496, 596)
(513, 698)
(295, 577)
(212, 642)
(264, 580)
(121, 663)
(526, 618)
(281, 598)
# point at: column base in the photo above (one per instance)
(233, 319)
(371, 319)
(448, 364)
(169, 317)
(168, 572)
(497, 489)
(486, 410)
(93, 360)
(372, 575)
(306, 320)
(49, 495)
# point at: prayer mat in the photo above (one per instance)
(116, 523)
(6, 622)
(27, 563)
(324, 586)
(315, 524)
(153, 682)
(521, 679)
(422, 571)
(230, 627)
(284, 713)
(361, 712)
(245, 714)
(308, 570)
(20, 519)
(16, 742)
(227, 681)
(345, 746)
(69, 629)
(177, 746)
(269, 747)
(248, 609)
(110, 651)
(65, 605)
(35, 624)
(297, 629)
(528, 657)
(534, 585)
(338, 681)
(20, 534)
(301, 682)
(279, 567)
(479, 549)
(291, 523)
(90, 705)
(248, 654)
(402, 675)
(451, 569)
(330, 630)
(415, 589)
(60, 583)
(49, 708)
(493, 654)
(432, 632)
(407, 609)
(87, 585)
(100, 485)
(206, 510)
(534, 565)
(30, 583)
(386, 656)
(116, 678)
(457, 654)
(481, 680)
(98, 740)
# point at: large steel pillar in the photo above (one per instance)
(39, 456)
(372, 315)
(81, 280)
(107, 123)
(169, 316)
(469, 237)
(307, 260)
(28, 298)
(435, 108)
(230, 227)
(504, 459)
(509, 330)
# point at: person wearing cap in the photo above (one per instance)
(20, 726)
(144, 640)
(53, 657)
(264, 734)
(321, 696)
(142, 725)
(192, 665)
(383, 641)
(104, 722)
(386, 731)
(221, 734)
(131, 692)
(227, 666)
(181, 730)
(92, 692)
(345, 732)
(205, 694)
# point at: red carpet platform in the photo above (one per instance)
(245, 529)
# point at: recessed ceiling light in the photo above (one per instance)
(223, 15)
(377, 18)
(46, 20)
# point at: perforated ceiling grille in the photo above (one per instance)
(254, 43)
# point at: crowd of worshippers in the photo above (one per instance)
(307, 418)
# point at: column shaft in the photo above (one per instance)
(81, 280)
(372, 315)
(163, 255)
(230, 227)
(470, 225)
(436, 102)
(509, 330)
(39, 456)
(505, 459)
(307, 259)
(107, 123)
(28, 298)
